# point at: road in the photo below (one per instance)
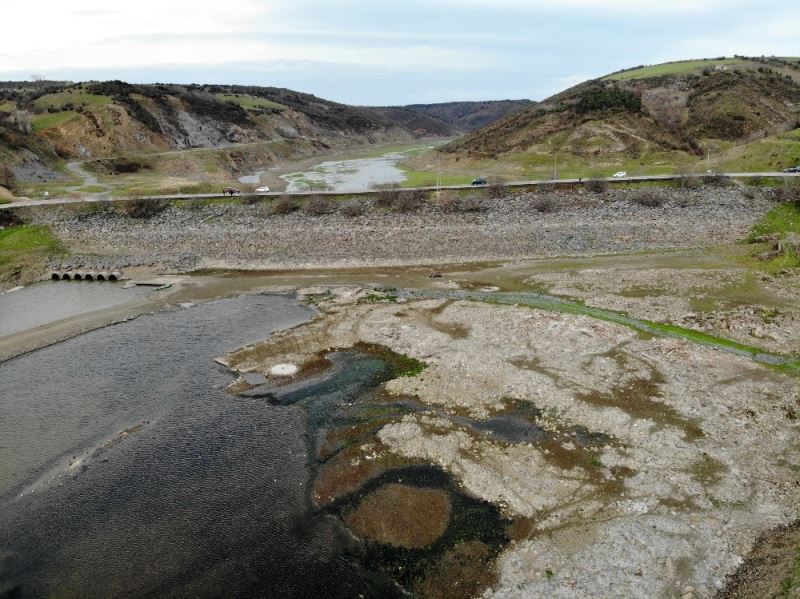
(209, 196)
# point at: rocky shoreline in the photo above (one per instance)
(525, 225)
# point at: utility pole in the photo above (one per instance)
(555, 167)
(708, 160)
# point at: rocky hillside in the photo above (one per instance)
(41, 122)
(678, 106)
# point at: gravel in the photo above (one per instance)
(250, 237)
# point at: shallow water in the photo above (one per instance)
(207, 495)
(349, 175)
(254, 179)
(50, 301)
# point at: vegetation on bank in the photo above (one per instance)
(23, 252)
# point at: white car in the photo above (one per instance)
(264, 189)
(620, 175)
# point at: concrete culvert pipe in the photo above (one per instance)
(66, 276)
(102, 276)
(88, 277)
(55, 276)
(115, 276)
(77, 277)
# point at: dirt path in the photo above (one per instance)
(89, 180)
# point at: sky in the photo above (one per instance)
(376, 52)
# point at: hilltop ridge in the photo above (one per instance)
(676, 107)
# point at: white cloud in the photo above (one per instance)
(778, 36)
(637, 6)
(30, 27)
(219, 50)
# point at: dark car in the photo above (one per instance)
(479, 181)
(792, 169)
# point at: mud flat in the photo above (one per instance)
(629, 465)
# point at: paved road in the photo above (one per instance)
(205, 196)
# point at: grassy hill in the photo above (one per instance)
(663, 116)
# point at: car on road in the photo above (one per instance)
(479, 181)
(263, 189)
(792, 169)
(620, 175)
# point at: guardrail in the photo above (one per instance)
(370, 192)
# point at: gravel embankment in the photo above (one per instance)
(250, 237)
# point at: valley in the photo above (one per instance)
(380, 380)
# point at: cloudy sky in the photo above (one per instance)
(382, 52)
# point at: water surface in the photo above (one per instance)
(50, 301)
(205, 496)
(349, 175)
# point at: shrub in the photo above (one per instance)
(496, 191)
(787, 193)
(318, 206)
(409, 201)
(250, 200)
(93, 208)
(608, 98)
(597, 185)
(142, 208)
(688, 182)
(717, 181)
(387, 198)
(649, 198)
(544, 204)
(353, 208)
(398, 200)
(285, 205)
(471, 203)
(447, 201)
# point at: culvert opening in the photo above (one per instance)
(55, 276)
(66, 276)
(112, 277)
(77, 277)
(88, 277)
(101, 277)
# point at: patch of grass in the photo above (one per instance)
(23, 251)
(75, 97)
(41, 122)
(372, 298)
(683, 67)
(92, 189)
(251, 102)
(708, 471)
(400, 364)
(415, 178)
(791, 582)
(781, 220)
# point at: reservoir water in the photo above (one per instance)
(127, 470)
(361, 174)
(49, 301)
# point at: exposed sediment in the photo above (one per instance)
(649, 466)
